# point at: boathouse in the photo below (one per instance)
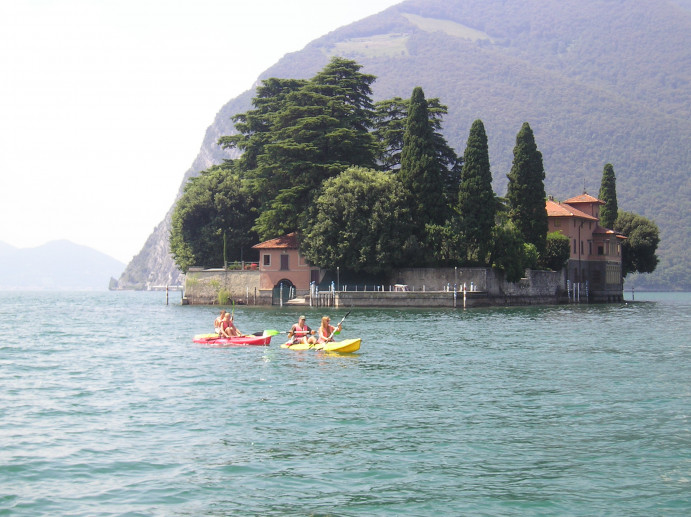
(283, 271)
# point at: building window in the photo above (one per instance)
(557, 222)
(600, 250)
(267, 260)
(590, 247)
(284, 263)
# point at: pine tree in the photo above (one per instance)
(526, 190)
(300, 134)
(421, 171)
(608, 194)
(476, 200)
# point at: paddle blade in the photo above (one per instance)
(271, 332)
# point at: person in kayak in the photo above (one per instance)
(326, 331)
(301, 333)
(228, 329)
(218, 322)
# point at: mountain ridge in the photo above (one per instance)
(56, 265)
(592, 92)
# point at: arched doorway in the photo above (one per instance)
(284, 289)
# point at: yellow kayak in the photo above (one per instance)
(347, 345)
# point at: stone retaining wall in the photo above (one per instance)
(218, 286)
(429, 287)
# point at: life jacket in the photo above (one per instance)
(300, 332)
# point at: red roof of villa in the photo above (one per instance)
(555, 209)
(584, 198)
(289, 242)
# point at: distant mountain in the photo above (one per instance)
(598, 80)
(58, 265)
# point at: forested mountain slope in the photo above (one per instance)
(598, 80)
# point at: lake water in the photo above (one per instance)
(108, 408)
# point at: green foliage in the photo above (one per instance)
(223, 297)
(476, 199)
(421, 172)
(530, 256)
(212, 205)
(557, 252)
(526, 190)
(359, 222)
(608, 194)
(638, 250)
(299, 134)
(447, 243)
(390, 120)
(508, 251)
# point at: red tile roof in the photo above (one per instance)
(289, 242)
(584, 198)
(555, 209)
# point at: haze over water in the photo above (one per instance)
(108, 408)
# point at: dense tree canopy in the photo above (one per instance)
(360, 222)
(212, 220)
(638, 250)
(526, 190)
(300, 134)
(508, 251)
(557, 251)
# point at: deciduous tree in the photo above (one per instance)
(213, 213)
(638, 250)
(359, 222)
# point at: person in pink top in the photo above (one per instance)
(326, 331)
(228, 328)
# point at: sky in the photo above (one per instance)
(104, 103)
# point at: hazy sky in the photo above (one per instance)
(104, 103)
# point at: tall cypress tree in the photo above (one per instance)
(476, 200)
(421, 170)
(608, 194)
(526, 190)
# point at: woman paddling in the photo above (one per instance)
(229, 329)
(326, 331)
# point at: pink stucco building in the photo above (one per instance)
(595, 251)
(280, 262)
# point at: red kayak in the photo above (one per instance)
(214, 340)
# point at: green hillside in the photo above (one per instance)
(599, 81)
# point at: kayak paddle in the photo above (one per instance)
(339, 324)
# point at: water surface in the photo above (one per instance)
(108, 408)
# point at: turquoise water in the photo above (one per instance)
(108, 408)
